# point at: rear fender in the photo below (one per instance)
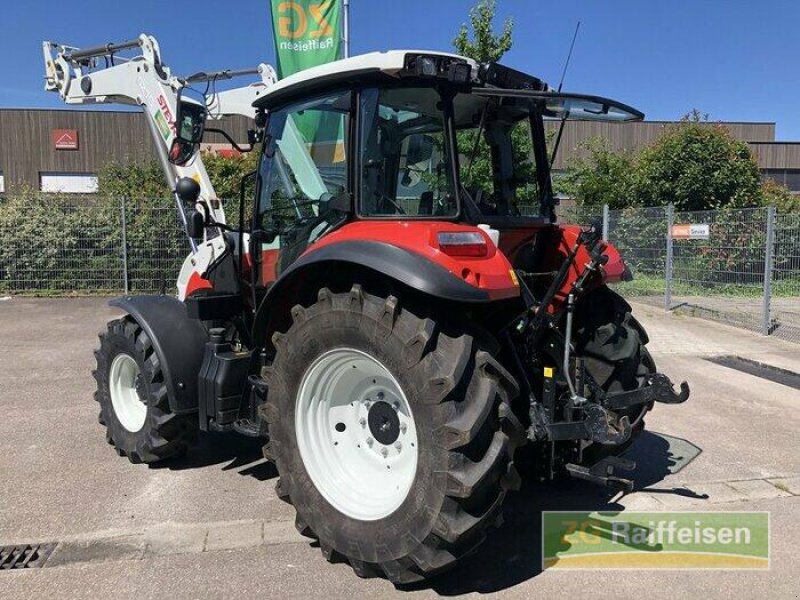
(563, 240)
(178, 340)
(384, 259)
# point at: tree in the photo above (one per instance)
(485, 45)
(132, 180)
(603, 177)
(694, 165)
(226, 172)
(697, 166)
(779, 196)
(145, 181)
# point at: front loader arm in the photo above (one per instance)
(100, 76)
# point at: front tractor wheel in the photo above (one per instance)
(134, 406)
(392, 435)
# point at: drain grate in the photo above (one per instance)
(25, 556)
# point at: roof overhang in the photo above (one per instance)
(375, 64)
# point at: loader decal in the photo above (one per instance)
(163, 124)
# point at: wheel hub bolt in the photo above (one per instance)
(370, 441)
(380, 395)
(396, 406)
(363, 422)
(398, 446)
(385, 451)
(403, 428)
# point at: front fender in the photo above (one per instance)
(178, 340)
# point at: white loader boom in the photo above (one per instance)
(98, 76)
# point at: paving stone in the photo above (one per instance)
(227, 536)
(171, 538)
(758, 488)
(790, 484)
(125, 547)
(699, 495)
(642, 501)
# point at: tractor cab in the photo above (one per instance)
(405, 137)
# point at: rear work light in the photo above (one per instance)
(462, 243)
(455, 70)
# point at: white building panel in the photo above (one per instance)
(68, 183)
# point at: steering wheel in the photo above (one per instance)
(400, 210)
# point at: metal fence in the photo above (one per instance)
(741, 267)
(738, 266)
(49, 248)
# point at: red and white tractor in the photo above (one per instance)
(393, 326)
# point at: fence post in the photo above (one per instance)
(124, 245)
(605, 222)
(768, 250)
(668, 267)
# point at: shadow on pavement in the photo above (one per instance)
(242, 454)
(658, 455)
(512, 554)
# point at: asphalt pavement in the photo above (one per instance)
(211, 526)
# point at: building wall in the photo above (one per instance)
(27, 149)
(634, 136)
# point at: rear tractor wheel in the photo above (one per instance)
(393, 437)
(134, 406)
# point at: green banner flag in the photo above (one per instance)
(307, 33)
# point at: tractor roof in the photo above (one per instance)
(352, 70)
(421, 65)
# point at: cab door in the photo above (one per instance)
(303, 172)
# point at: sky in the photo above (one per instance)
(736, 60)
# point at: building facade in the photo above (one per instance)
(63, 150)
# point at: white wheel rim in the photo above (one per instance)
(356, 434)
(129, 408)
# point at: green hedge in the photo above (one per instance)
(52, 247)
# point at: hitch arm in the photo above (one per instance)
(658, 388)
(598, 425)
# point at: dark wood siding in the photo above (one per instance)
(777, 155)
(26, 146)
(634, 136)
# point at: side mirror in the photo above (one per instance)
(190, 126)
(341, 203)
(420, 149)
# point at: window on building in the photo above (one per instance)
(777, 175)
(793, 179)
(788, 177)
(68, 183)
(2, 183)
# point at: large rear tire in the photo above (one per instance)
(392, 434)
(615, 347)
(134, 406)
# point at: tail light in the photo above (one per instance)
(462, 243)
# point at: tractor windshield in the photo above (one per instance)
(504, 156)
(417, 143)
